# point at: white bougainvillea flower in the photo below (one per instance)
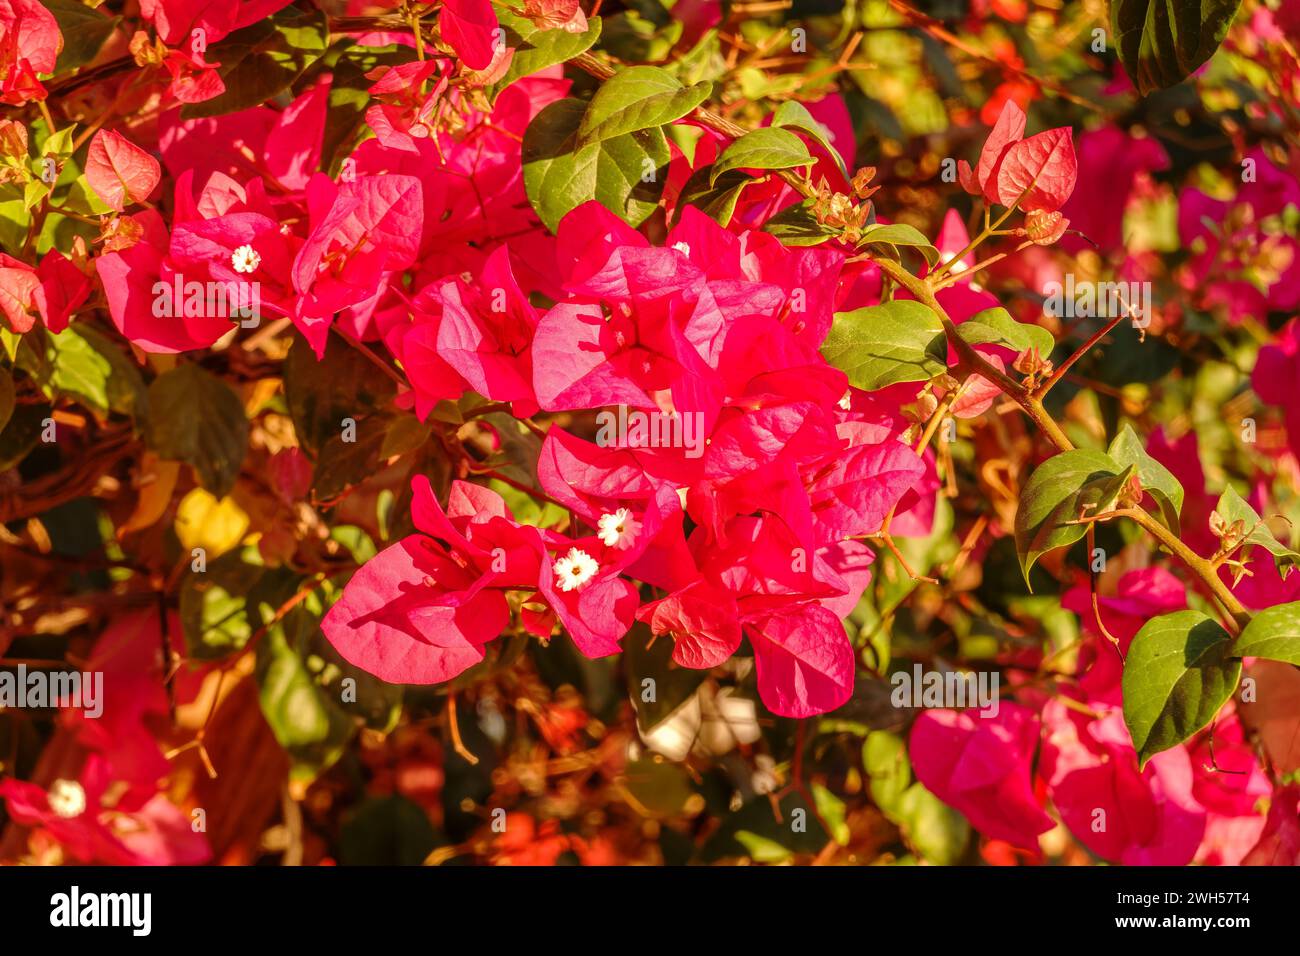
(618, 529)
(67, 798)
(245, 259)
(575, 569)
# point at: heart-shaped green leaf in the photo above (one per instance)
(638, 98)
(900, 234)
(1062, 490)
(1177, 675)
(1157, 480)
(1162, 42)
(899, 341)
(794, 115)
(625, 173)
(997, 327)
(763, 149)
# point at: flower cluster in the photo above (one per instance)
(754, 532)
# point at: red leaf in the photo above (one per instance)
(18, 287)
(29, 32)
(119, 171)
(470, 27)
(1007, 131)
(1043, 168)
(804, 661)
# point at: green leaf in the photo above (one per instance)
(214, 607)
(34, 192)
(1177, 674)
(84, 31)
(625, 173)
(900, 234)
(797, 226)
(794, 115)
(832, 812)
(197, 418)
(658, 785)
(59, 144)
(638, 98)
(14, 220)
(889, 772)
(1273, 634)
(932, 828)
(535, 48)
(342, 464)
(262, 60)
(1162, 42)
(644, 35)
(1157, 480)
(405, 433)
(526, 508)
(717, 200)
(11, 341)
(763, 149)
(320, 394)
(997, 327)
(1233, 508)
(880, 345)
(756, 830)
(386, 831)
(304, 720)
(1059, 492)
(81, 363)
(762, 849)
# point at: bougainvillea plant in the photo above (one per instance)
(521, 431)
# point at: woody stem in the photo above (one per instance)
(1079, 353)
(975, 362)
(1203, 568)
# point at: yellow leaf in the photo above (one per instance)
(216, 525)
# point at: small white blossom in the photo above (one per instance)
(618, 530)
(245, 259)
(67, 798)
(575, 569)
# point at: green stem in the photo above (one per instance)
(973, 244)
